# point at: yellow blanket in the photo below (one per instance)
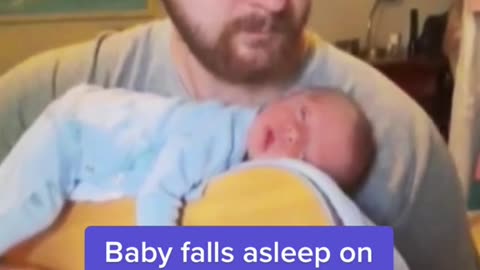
(260, 196)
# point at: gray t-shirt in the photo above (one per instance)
(413, 186)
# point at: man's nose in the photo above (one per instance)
(273, 6)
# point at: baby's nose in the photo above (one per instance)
(291, 135)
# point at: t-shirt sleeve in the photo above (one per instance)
(26, 89)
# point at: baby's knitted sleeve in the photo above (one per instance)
(200, 142)
(179, 170)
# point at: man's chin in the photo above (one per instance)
(246, 72)
(255, 57)
(248, 66)
(253, 62)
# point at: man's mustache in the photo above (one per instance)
(282, 23)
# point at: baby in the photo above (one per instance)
(95, 144)
(323, 128)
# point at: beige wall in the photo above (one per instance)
(20, 40)
(334, 20)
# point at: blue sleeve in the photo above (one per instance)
(171, 177)
(201, 147)
(34, 179)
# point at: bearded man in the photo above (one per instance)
(251, 51)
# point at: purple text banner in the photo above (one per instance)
(248, 248)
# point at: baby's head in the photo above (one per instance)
(322, 127)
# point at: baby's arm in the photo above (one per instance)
(170, 179)
(33, 177)
(187, 160)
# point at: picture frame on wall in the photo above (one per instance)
(28, 10)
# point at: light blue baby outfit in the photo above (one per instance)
(98, 144)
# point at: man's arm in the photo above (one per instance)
(413, 185)
(26, 89)
(426, 207)
(36, 175)
(432, 229)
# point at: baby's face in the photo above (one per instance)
(290, 128)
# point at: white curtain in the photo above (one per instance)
(464, 140)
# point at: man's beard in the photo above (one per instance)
(221, 58)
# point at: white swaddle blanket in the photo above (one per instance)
(343, 212)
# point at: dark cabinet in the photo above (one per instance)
(428, 82)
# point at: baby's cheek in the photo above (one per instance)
(295, 151)
(280, 150)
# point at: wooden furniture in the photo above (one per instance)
(427, 81)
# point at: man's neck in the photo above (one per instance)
(200, 84)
